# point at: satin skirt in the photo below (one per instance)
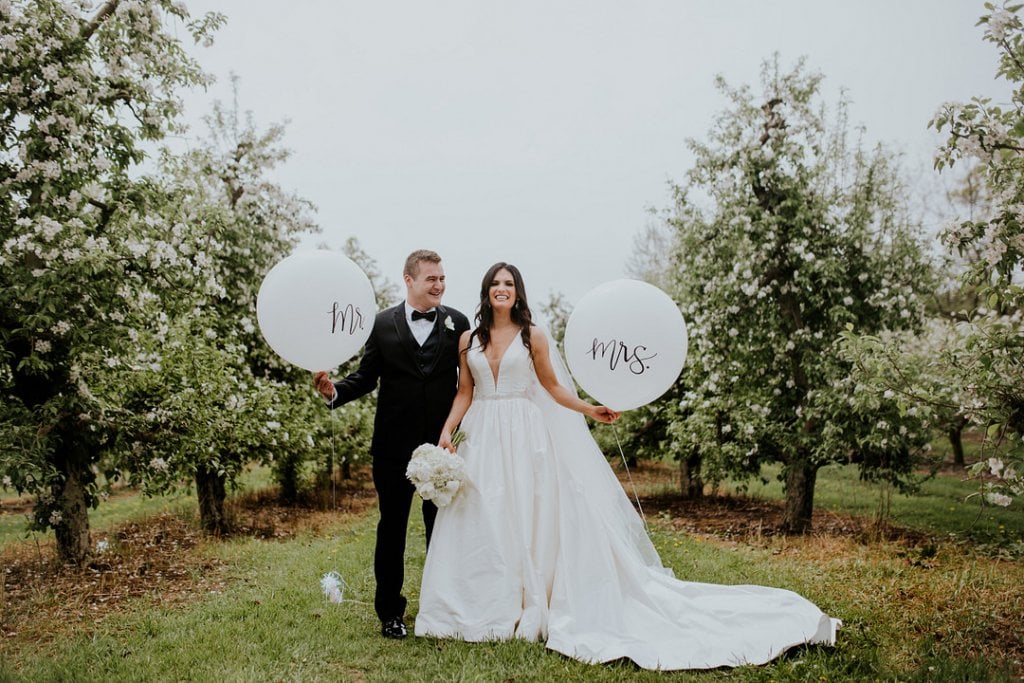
(543, 544)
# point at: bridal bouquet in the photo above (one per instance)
(436, 473)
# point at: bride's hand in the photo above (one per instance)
(604, 414)
(445, 442)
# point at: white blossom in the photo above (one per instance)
(999, 499)
(995, 466)
(999, 24)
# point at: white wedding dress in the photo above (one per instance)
(542, 543)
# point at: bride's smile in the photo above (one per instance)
(503, 290)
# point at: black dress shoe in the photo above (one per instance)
(393, 628)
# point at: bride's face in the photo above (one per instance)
(502, 293)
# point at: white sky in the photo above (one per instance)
(540, 132)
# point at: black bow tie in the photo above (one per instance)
(429, 315)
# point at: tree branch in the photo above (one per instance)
(99, 18)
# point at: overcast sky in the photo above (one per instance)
(541, 132)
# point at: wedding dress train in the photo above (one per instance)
(543, 544)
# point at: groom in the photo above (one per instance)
(413, 351)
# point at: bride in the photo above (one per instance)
(542, 543)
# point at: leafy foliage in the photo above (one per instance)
(977, 370)
(86, 251)
(785, 234)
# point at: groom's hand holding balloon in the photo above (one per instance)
(323, 384)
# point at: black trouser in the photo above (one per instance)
(394, 494)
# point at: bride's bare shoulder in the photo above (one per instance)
(538, 337)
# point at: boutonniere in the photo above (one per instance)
(449, 324)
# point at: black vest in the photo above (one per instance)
(425, 353)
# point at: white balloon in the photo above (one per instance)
(625, 343)
(316, 309)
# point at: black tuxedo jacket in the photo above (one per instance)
(412, 403)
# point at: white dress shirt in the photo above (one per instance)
(421, 328)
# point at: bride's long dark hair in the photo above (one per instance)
(521, 315)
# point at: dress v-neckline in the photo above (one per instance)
(496, 372)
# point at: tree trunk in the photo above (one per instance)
(288, 480)
(691, 485)
(955, 435)
(72, 531)
(800, 479)
(957, 443)
(211, 494)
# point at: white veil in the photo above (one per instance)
(584, 473)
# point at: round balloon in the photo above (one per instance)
(316, 309)
(625, 343)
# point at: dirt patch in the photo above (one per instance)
(261, 515)
(153, 559)
(160, 559)
(749, 520)
(737, 518)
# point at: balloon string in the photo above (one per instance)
(630, 477)
(334, 437)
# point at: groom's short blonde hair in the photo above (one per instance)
(412, 263)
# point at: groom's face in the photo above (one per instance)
(424, 291)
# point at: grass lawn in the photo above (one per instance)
(943, 506)
(253, 610)
(125, 504)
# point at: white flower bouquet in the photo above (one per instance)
(436, 473)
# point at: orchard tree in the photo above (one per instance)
(189, 408)
(991, 138)
(912, 365)
(204, 395)
(787, 232)
(969, 200)
(987, 363)
(84, 252)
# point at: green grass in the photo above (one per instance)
(907, 617)
(943, 505)
(125, 505)
(270, 622)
